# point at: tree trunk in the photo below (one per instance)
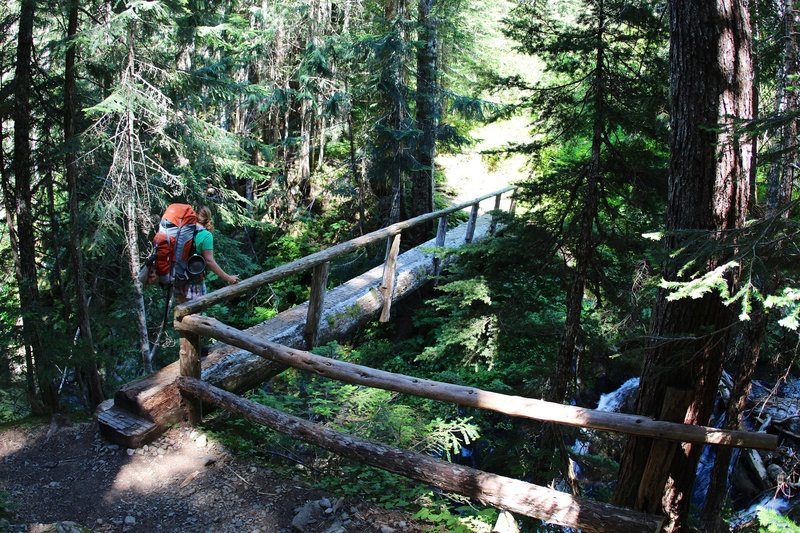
(427, 117)
(744, 353)
(25, 267)
(132, 240)
(708, 191)
(130, 216)
(89, 368)
(781, 176)
(583, 255)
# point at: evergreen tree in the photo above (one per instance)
(599, 144)
(709, 178)
(427, 114)
(19, 201)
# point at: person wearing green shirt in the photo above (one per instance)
(204, 244)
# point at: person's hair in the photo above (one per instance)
(204, 218)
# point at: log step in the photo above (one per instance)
(126, 429)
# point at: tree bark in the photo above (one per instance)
(711, 87)
(744, 353)
(89, 368)
(25, 268)
(427, 117)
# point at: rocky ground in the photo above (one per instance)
(69, 476)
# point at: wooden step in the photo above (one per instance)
(126, 429)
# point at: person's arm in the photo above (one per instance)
(208, 255)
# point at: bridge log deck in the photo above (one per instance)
(144, 408)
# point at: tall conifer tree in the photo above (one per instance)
(597, 120)
(711, 85)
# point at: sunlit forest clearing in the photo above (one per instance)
(645, 262)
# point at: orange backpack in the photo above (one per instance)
(176, 262)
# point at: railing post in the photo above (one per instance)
(387, 284)
(319, 283)
(189, 356)
(493, 226)
(441, 234)
(513, 207)
(473, 219)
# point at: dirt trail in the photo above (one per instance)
(182, 482)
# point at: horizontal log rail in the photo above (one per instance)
(472, 397)
(552, 506)
(310, 261)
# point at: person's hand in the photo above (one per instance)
(233, 279)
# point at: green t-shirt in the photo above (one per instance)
(204, 240)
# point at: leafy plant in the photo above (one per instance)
(7, 509)
(462, 519)
(769, 521)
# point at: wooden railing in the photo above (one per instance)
(320, 263)
(513, 495)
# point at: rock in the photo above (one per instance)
(325, 503)
(336, 527)
(201, 441)
(776, 474)
(208, 461)
(505, 524)
(387, 529)
(304, 517)
(66, 527)
(130, 520)
(130, 451)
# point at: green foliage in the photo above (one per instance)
(769, 521)
(7, 510)
(369, 413)
(707, 282)
(372, 484)
(13, 405)
(464, 519)
(789, 300)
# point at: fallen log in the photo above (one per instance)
(496, 491)
(472, 397)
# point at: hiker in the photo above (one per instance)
(204, 243)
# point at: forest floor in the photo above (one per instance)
(67, 474)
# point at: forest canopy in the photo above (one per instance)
(651, 234)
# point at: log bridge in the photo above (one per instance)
(143, 408)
